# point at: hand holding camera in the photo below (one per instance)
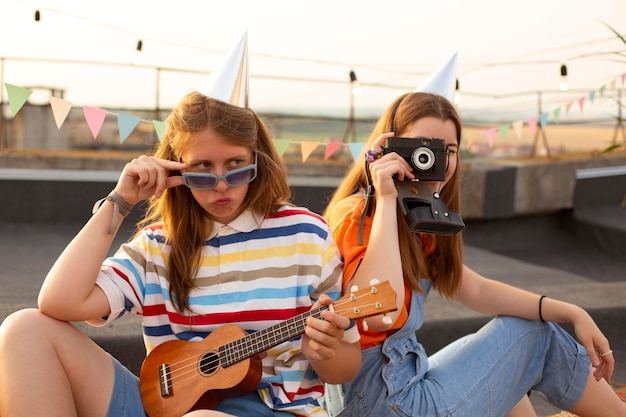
(424, 211)
(427, 156)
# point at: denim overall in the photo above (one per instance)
(485, 376)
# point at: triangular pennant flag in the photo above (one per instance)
(356, 149)
(95, 119)
(532, 123)
(331, 148)
(543, 121)
(556, 113)
(17, 97)
(581, 103)
(601, 91)
(471, 138)
(592, 96)
(281, 145)
(504, 129)
(517, 127)
(568, 106)
(307, 149)
(613, 84)
(60, 109)
(489, 133)
(159, 128)
(623, 78)
(126, 123)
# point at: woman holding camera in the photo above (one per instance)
(488, 373)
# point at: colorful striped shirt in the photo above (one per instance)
(255, 272)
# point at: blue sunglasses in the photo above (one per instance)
(234, 178)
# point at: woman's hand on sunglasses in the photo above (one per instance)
(147, 176)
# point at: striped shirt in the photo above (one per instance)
(255, 272)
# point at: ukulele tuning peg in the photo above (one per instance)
(374, 281)
(365, 326)
(353, 289)
(386, 319)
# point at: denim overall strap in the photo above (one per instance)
(406, 358)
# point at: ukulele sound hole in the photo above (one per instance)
(209, 363)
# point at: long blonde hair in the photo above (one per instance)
(184, 220)
(444, 265)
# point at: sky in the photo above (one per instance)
(301, 53)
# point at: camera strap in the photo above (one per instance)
(369, 203)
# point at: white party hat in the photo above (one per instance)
(229, 80)
(443, 81)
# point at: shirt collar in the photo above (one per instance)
(246, 222)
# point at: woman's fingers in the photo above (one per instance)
(146, 176)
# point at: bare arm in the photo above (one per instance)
(69, 291)
(333, 359)
(382, 256)
(496, 298)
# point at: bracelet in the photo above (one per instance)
(540, 304)
(121, 207)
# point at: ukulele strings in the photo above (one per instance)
(185, 369)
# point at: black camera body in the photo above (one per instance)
(427, 156)
(424, 210)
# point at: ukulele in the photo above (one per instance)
(179, 376)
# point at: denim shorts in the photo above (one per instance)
(125, 399)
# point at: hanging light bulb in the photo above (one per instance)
(37, 16)
(457, 93)
(137, 60)
(354, 85)
(563, 86)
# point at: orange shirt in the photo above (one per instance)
(344, 222)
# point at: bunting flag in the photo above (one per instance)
(307, 149)
(60, 109)
(331, 148)
(159, 128)
(471, 138)
(532, 123)
(489, 133)
(17, 97)
(517, 127)
(95, 118)
(504, 130)
(356, 149)
(126, 124)
(281, 145)
(556, 113)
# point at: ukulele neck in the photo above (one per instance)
(262, 340)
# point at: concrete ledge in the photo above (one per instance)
(68, 195)
(600, 207)
(490, 189)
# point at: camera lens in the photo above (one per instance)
(423, 158)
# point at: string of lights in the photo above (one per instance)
(472, 67)
(139, 41)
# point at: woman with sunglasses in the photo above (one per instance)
(220, 245)
(487, 374)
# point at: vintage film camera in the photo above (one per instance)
(427, 156)
(425, 212)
